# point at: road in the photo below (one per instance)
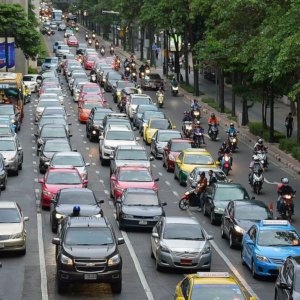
(20, 277)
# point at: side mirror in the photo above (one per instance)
(113, 177)
(26, 219)
(155, 235)
(284, 286)
(85, 182)
(163, 203)
(137, 138)
(101, 137)
(100, 201)
(41, 180)
(156, 179)
(121, 241)
(209, 237)
(56, 241)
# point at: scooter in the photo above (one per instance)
(133, 76)
(213, 132)
(90, 42)
(187, 129)
(127, 73)
(97, 46)
(174, 90)
(189, 199)
(257, 181)
(196, 114)
(93, 36)
(112, 50)
(226, 165)
(287, 207)
(262, 156)
(198, 137)
(86, 37)
(102, 51)
(147, 70)
(232, 142)
(160, 98)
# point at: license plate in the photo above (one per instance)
(90, 276)
(186, 261)
(143, 222)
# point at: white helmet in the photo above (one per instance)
(285, 180)
(255, 158)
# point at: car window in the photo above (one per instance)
(9, 215)
(7, 145)
(174, 231)
(165, 137)
(55, 132)
(142, 100)
(135, 176)
(120, 135)
(56, 146)
(185, 288)
(67, 160)
(72, 197)
(160, 124)
(230, 193)
(141, 199)
(154, 76)
(198, 159)
(63, 178)
(178, 147)
(277, 237)
(131, 154)
(251, 212)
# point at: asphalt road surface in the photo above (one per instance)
(33, 276)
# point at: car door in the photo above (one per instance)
(90, 120)
(226, 219)
(155, 241)
(249, 244)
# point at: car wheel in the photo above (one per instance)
(175, 176)
(61, 286)
(157, 266)
(111, 193)
(20, 166)
(16, 172)
(212, 218)
(204, 210)
(231, 243)
(23, 252)
(116, 287)
(223, 235)
(121, 226)
(164, 162)
(254, 275)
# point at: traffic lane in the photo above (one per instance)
(22, 271)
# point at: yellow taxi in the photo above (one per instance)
(153, 125)
(209, 286)
(189, 159)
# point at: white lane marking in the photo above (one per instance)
(167, 183)
(82, 135)
(34, 162)
(97, 172)
(153, 165)
(160, 174)
(138, 267)
(87, 148)
(90, 155)
(93, 164)
(36, 179)
(102, 181)
(269, 182)
(175, 193)
(42, 258)
(106, 192)
(84, 142)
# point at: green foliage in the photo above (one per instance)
(32, 70)
(257, 129)
(187, 87)
(296, 153)
(290, 146)
(212, 103)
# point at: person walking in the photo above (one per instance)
(289, 124)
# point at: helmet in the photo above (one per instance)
(231, 125)
(285, 180)
(213, 115)
(260, 141)
(198, 123)
(186, 112)
(224, 143)
(76, 210)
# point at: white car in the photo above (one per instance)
(32, 81)
(115, 135)
(135, 100)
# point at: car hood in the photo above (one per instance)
(144, 163)
(118, 142)
(89, 251)
(221, 204)
(85, 210)
(9, 154)
(246, 224)
(135, 184)
(54, 188)
(150, 132)
(278, 252)
(145, 211)
(184, 245)
(10, 228)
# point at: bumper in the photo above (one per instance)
(107, 153)
(45, 200)
(138, 223)
(11, 165)
(266, 268)
(171, 164)
(13, 245)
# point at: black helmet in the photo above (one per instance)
(186, 112)
(212, 115)
(231, 125)
(224, 143)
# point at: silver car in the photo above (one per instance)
(12, 151)
(45, 103)
(180, 243)
(61, 50)
(12, 227)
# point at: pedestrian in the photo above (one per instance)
(156, 53)
(289, 124)
(201, 188)
(211, 177)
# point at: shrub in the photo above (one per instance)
(296, 153)
(257, 128)
(212, 103)
(287, 145)
(32, 70)
(187, 87)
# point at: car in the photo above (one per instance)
(113, 116)
(70, 159)
(286, 286)
(172, 150)
(125, 155)
(51, 132)
(147, 115)
(139, 208)
(90, 61)
(117, 89)
(48, 85)
(239, 216)
(94, 123)
(87, 252)
(114, 135)
(137, 121)
(160, 140)
(54, 120)
(56, 179)
(3, 173)
(102, 74)
(56, 44)
(63, 204)
(152, 126)
(5, 120)
(53, 25)
(111, 78)
(76, 68)
(127, 91)
(55, 90)
(189, 159)
(135, 100)
(12, 227)
(50, 63)
(6, 130)
(152, 81)
(131, 177)
(210, 285)
(55, 110)
(91, 89)
(32, 81)
(217, 196)
(194, 176)
(48, 149)
(267, 244)
(62, 27)
(52, 73)
(68, 32)
(92, 97)
(11, 111)
(45, 103)
(78, 76)
(62, 50)
(80, 48)
(85, 107)
(72, 41)
(180, 243)
(77, 84)
(12, 152)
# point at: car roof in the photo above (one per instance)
(72, 190)
(138, 168)
(130, 147)
(86, 222)
(275, 224)
(8, 204)
(168, 131)
(227, 184)
(8, 137)
(118, 127)
(140, 96)
(181, 220)
(68, 153)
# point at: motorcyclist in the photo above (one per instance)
(174, 82)
(213, 121)
(97, 44)
(160, 91)
(201, 188)
(126, 62)
(122, 105)
(142, 70)
(195, 105)
(254, 165)
(232, 131)
(283, 188)
(187, 117)
(222, 151)
(259, 146)
(198, 128)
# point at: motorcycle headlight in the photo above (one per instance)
(59, 216)
(262, 258)
(234, 140)
(18, 235)
(119, 93)
(239, 229)
(114, 260)
(66, 260)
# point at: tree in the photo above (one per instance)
(14, 22)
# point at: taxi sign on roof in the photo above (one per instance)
(213, 274)
(275, 222)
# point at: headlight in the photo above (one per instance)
(163, 248)
(239, 229)
(59, 216)
(114, 260)
(127, 216)
(171, 157)
(18, 235)
(108, 147)
(218, 210)
(94, 132)
(262, 258)
(46, 193)
(157, 217)
(234, 140)
(104, 79)
(206, 250)
(13, 121)
(66, 260)
(119, 93)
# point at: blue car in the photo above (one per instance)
(266, 245)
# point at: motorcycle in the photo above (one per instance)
(213, 132)
(102, 51)
(226, 164)
(142, 75)
(262, 156)
(122, 106)
(198, 137)
(147, 70)
(257, 180)
(86, 37)
(187, 129)
(196, 114)
(112, 50)
(76, 28)
(189, 199)
(97, 46)
(174, 90)
(160, 98)
(93, 78)
(132, 65)
(133, 76)
(90, 42)
(286, 210)
(232, 142)
(93, 36)
(127, 73)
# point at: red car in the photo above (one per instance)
(172, 150)
(131, 177)
(72, 41)
(89, 61)
(90, 89)
(56, 179)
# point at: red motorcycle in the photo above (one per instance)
(226, 165)
(189, 199)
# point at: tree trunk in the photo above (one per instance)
(196, 77)
(271, 95)
(221, 90)
(142, 43)
(186, 55)
(245, 112)
(176, 58)
(151, 41)
(233, 75)
(264, 107)
(298, 120)
(293, 107)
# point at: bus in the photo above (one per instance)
(57, 15)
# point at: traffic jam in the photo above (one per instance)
(131, 195)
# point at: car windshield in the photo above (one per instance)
(141, 100)
(141, 199)
(56, 121)
(165, 137)
(123, 84)
(135, 175)
(28, 78)
(180, 231)
(216, 292)
(100, 115)
(67, 160)
(63, 178)
(5, 130)
(7, 110)
(9, 215)
(94, 90)
(56, 91)
(132, 154)
(251, 212)
(160, 124)
(230, 193)
(198, 159)
(88, 236)
(7, 145)
(178, 147)
(90, 105)
(49, 60)
(276, 237)
(55, 132)
(47, 104)
(75, 198)
(114, 76)
(55, 146)
(142, 108)
(56, 111)
(63, 47)
(150, 114)
(119, 122)
(154, 76)
(120, 135)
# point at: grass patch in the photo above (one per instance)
(257, 128)
(290, 146)
(212, 103)
(187, 87)
(32, 70)
(231, 118)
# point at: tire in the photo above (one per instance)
(157, 266)
(223, 235)
(121, 226)
(61, 286)
(116, 287)
(23, 252)
(212, 218)
(20, 166)
(183, 204)
(16, 172)
(231, 243)
(175, 176)
(254, 275)
(164, 163)
(182, 183)
(4, 184)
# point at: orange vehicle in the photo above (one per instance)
(84, 109)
